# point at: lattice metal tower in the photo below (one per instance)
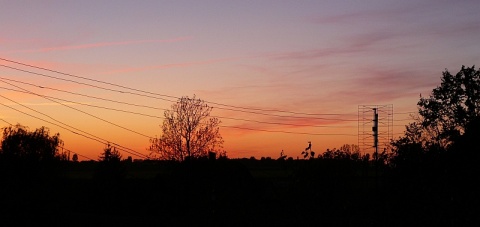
(375, 128)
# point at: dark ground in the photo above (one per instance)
(237, 193)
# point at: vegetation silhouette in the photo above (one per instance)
(443, 116)
(436, 161)
(282, 156)
(427, 178)
(308, 151)
(110, 167)
(26, 153)
(75, 158)
(188, 131)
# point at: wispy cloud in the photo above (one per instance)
(402, 78)
(165, 66)
(247, 123)
(362, 15)
(100, 44)
(356, 44)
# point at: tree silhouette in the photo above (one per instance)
(345, 152)
(36, 146)
(451, 106)
(442, 117)
(75, 158)
(26, 153)
(110, 154)
(188, 131)
(110, 166)
(349, 151)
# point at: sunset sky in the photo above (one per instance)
(278, 73)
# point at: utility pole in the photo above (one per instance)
(375, 146)
(375, 132)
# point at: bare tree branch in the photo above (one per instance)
(188, 131)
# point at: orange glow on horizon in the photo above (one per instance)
(315, 62)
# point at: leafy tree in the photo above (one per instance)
(188, 131)
(442, 117)
(75, 158)
(349, 151)
(26, 154)
(20, 144)
(451, 106)
(110, 166)
(110, 154)
(345, 152)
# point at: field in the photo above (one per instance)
(238, 192)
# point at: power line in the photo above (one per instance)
(279, 123)
(143, 91)
(154, 116)
(85, 84)
(92, 137)
(83, 156)
(84, 78)
(263, 130)
(80, 94)
(85, 104)
(91, 115)
(410, 112)
(243, 128)
(153, 97)
(168, 96)
(405, 119)
(1, 119)
(151, 107)
(289, 132)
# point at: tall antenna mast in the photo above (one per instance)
(375, 132)
(378, 130)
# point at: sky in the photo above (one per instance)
(278, 74)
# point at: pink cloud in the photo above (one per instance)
(243, 124)
(164, 66)
(390, 83)
(357, 44)
(358, 16)
(101, 44)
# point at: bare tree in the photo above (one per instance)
(188, 131)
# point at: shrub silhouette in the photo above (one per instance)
(30, 153)
(110, 166)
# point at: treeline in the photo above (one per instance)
(337, 190)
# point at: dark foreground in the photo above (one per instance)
(238, 193)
